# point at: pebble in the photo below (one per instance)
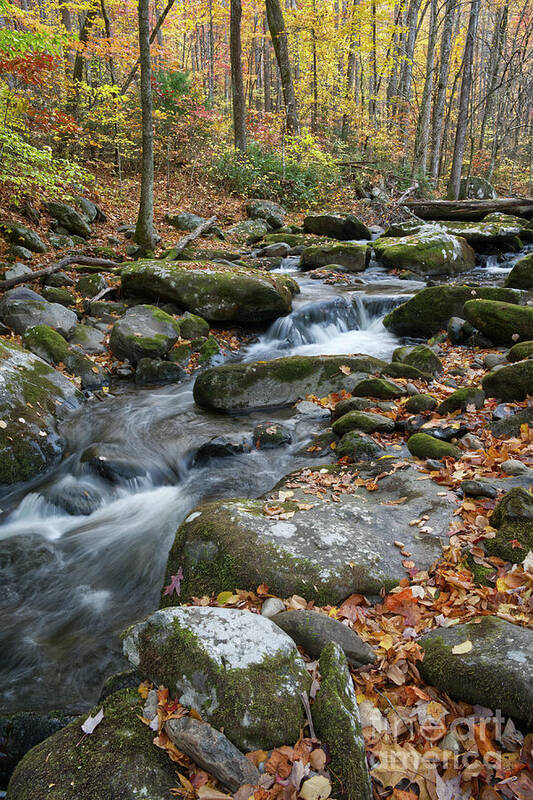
(411, 389)
(514, 467)
(472, 442)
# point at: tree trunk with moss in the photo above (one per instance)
(144, 230)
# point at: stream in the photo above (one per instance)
(83, 556)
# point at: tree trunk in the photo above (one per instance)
(278, 33)
(237, 86)
(424, 117)
(473, 210)
(267, 70)
(464, 103)
(350, 72)
(144, 230)
(440, 100)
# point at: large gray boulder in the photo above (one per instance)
(237, 669)
(215, 292)
(308, 545)
(429, 252)
(33, 396)
(69, 218)
(184, 220)
(118, 760)
(18, 234)
(496, 671)
(266, 384)
(476, 188)
(143, 332)
(267, 210)
(336, 226)
(21, 308)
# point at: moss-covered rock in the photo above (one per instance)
(495, 673)
(192, 326)
(510, 426)
(422, 445)
(487, 236)
(514, 382)
(324, 553)
(379, 388)
(32, 396)
(90, 285)
(117, 761)
(269, 435)
(338, 725)
(21, 731)
(513, 517)
(18, 234)
(296, 239)
(429, 252)
(281, 382)
(520, 351)
(215, 292)
(156, 371)
(473, 187)
(419, 403)
(336, 226)
(521, 275)
(430, 309)
(143, 332)
(58, 294)
(248, 231)
(21, 308)
(46, 343)
(354, 257)
(365, 421)
(421, 357)
(358, 447)
(461, 399)
(69, 218)
(209, 352)
(502, 323)
(239, 670)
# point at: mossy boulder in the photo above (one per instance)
(118, 760)
(422, 445)
(267, 210)
(336, 226)
(510, 426)
(69, 218)
(184, 220)
(323, 553)
(486, 237)
(358, 447)
(143, 332)
(520, 351)
(338, 725)
(473, 187)
(21, 308)
(511, 383)
(495, 673)
(430, 309)
(353, 257)
(521, 275)
(429, 252)
(365, 421)
(33, 396)
(21, 731)
(192, 326)
(422, 357)
(419, 403)
(380, 388)
(461, 399)
(249, 231)
(281, 382)
(59, 294)
(296, 239)
(513, 517)
(18, 234)
(91, 285)
(238, 670)
(156, 371)
(502, 323)
(209, 352)
(213, 291)
(46, 343)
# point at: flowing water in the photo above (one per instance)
(83, 556)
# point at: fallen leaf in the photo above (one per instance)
(316, 788)
(91, 722)
(461, 649)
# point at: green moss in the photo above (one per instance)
(46, 343)
(521, 275)
(365, 421)
(379, 388)
(419, 403)
(480, 574)
(513, 517)
(56, 294)
(208, 350)
(421, 357)
(512, 383)
(461, 399)
(427, 252)
(501, 322)
(520, 351)
(357, 447)
(352, 256)
(423, 446)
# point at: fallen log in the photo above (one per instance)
(466, 210)
(65, 262)
(202, 228)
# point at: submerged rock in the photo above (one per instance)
(502, 323)
(281, 382)
(323, 553)
(156, 371)
(336, 226)
(496, 672)
(214, 292)
(143, 332)
(117, 760)
(237, 669)
(21, 308)
(429, 252)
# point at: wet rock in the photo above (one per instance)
(23, 730)
(510, 426)
(143, 332)
(238, 669)
(127, 679)
(271, 212)
(502, 323)
(421, 357)
(520, 351)
(461, 399)
(324, 553)
(108, 461)
(268, 435)
(379, 388)
(272, 606)
(353, 257)
(430, 309)
(119, 760)
(352, 404)
(29, 442)
(365, 421)
(486, 237)
(521, 275)
(18, 234)
(512, 383)
(155, 371)
(76, 498)
(216, 293)
(21, 308)
(281, 382)
(336, 226)
(358, 447)
(478, 489)
(338, 724)
(313, 631)
(429, 252)
(212, 751)
(513, 517)
(321, 444)
(495, 673)
(422, 445)
(420, 403)
(492, 360)
(459, 330)
(222, 447)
